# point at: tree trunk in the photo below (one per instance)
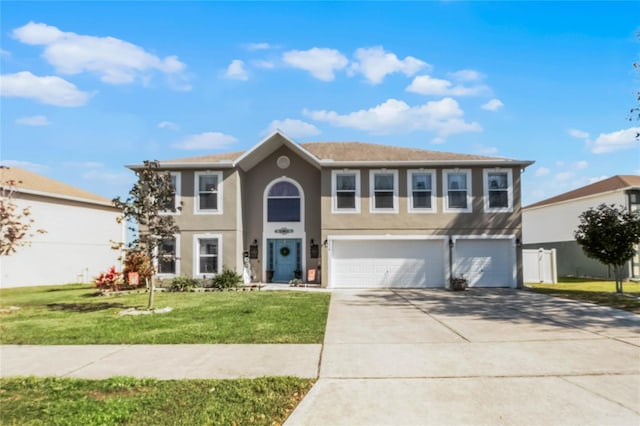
(618, 269)
(151, 291)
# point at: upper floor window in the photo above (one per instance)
(421, 191)
(283, 202)
(384, 191)
(168, 257)
(498, 190)
(172, 206)
(208, 197)
(457, 188)
(345, 186)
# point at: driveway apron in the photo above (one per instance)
(511, 357)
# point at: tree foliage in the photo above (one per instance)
(149, 201)
(610, 235)
(15, 223)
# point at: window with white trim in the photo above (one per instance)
(208, 197)
(206, 254)
(167, 261)
(457, 189)
(345, 186)
(498, 190)
(421, 191)
(172, 205)
(283, 203)
(383, 186)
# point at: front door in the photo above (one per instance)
(284, 259)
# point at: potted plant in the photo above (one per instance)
(458, 283)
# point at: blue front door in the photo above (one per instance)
(284, 258)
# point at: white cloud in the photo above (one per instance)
(115, 61)
(49, 90)
(207, 140)
(320, 62)
(108, 177)
(5, 53)
(598, 178)
(293, 128)
(580, 165)
(35, 120)
(493, 105)
(168, 125)
(616, 141)
(84, 164)
(260, 63)
(580, 134)
(427, 85)
(486, 150)
(562, 176)
(393, 116)
(27, 165)
(466, 75)
(258, 46)
(375, 64)
(237, 71)
(542, 171)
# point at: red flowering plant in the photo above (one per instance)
(110, 279)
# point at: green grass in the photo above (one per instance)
(593, 291)
(126, 401)
(75, 314)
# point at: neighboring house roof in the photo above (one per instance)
(33, 183)
(338, 154)
(618, 182)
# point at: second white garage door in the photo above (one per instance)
(485, 262)
(387, 263)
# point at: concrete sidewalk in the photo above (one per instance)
(414, 357)
(161, 361)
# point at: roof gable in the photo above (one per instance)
(618, 182)
(269, 145)
(33, 183)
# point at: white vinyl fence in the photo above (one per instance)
(539, 266)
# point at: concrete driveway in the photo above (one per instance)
(409, 357)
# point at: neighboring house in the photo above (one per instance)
(355, 214)
(79, 227)
(550, 224)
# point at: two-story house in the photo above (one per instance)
(356, 215)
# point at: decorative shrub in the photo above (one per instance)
(226, 279)
(109, 280)
(136, 261)
(458, 283)
(183, 284)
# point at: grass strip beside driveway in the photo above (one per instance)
(75, 314)
(126, 401)
(593, 291)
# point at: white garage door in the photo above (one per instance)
(485, 263)
(387, 263)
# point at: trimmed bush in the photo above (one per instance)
(183, 284)
(226, 279)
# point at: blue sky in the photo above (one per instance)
(88, 87)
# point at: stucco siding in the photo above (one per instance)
(76, 247)
(556, 223)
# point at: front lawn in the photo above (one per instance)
(75, 314)
(593, 291)
(126, 401)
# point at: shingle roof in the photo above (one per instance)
(360, 151)
(29, 181)
(606, 185)
(352, 151)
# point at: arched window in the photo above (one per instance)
(283, 203)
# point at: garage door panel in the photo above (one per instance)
(387, 263)
(484, 262)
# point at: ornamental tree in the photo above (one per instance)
(610, 235)
(149, 201)
(15, 223)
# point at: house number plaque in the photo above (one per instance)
(283, 231)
